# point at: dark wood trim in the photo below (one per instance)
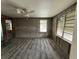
(13, 26)
(4, 30)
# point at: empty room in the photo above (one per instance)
(38, 29)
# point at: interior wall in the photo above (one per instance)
(29, 27)
(62, 46)
(54, 21)
(7, 34)
(73, 52)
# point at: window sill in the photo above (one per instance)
(65, 39)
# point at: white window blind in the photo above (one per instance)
(66, 25)
(69, 25)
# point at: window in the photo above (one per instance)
(69, 25)
(8, 24)
(65, 25)
(43, 25)
(60, 26)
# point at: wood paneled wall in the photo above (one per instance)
(30, 23)
(31, 27)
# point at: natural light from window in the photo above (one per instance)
(43, 25)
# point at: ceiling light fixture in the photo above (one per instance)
(18, 11)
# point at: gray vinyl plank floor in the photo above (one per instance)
(35, 48)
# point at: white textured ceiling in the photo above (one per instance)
(42, 8)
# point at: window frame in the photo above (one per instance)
(43, 24)
(62, 37)
(63, 25)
